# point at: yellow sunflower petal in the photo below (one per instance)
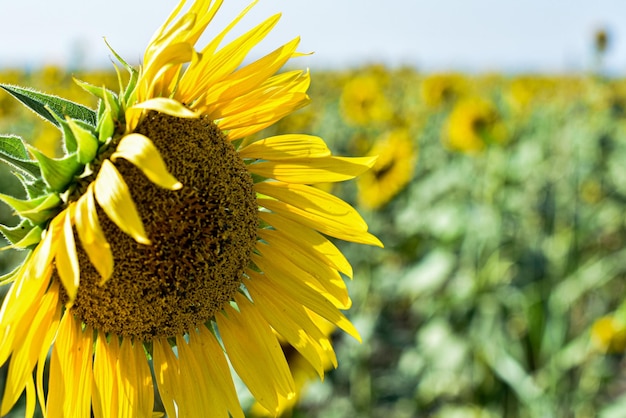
(205, 11)
(167, 36)
(211, 355)
(10, 304)
(255, 353)
(197, 399)
(46, 249)
(26, 354)
(67, 259)
(202, 74)
(31, 400)
(164, 56)
(167, 373)
(105, 387)
(220, 65)
(135, 389)
(313, 170)
(141, 151)
(168, 106)
(320, 277)
(310, 241)
(91, 236)
(249, 77)
(270, 102)
(212, 46)
(289, 319)
(114, 198)
(202, 360)
(286, 283)
(286, 147)
(316, 209)
(45, 345)
(71, 370)
(187, 29)
(161, 70)
(276, 89)
(19, 306)
(162, 30)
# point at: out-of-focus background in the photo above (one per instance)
(499, 192)
(442, 35)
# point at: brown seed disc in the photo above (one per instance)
(202, 237)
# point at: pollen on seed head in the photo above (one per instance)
(202, 237)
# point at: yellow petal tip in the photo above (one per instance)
(143, 240)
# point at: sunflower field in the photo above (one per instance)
(500, 200)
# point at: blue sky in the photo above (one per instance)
(473, 35)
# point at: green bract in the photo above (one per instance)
(47, 181)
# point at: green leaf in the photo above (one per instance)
(13, 153)
(42, 104)
(87, 142)
(57, 173)
(23, 235)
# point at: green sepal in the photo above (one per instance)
(102, 93)
(42, 104)
(57, 173)
(13, 153)
(106, 126)
(33, 187)
(108, 109)
(129, 91)
(106, 122)
(23, 235)
(10, 276)
(37, 210)
(69, 140)
(87, 142)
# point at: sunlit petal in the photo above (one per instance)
(114, 198)
(139, 150)
(255, 354)
(91, 236)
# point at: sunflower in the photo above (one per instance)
(363, 101)
(440, 89)
(165, 247)
(608, 334)
(473, 124)
(393, 170)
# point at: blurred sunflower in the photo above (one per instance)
(393, 170)
(524, 91)
(472, 124)
(164, 237)
(7, 106)
(363, 101)
(608, 334)
(440, 89)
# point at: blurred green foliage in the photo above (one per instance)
(499, 292)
